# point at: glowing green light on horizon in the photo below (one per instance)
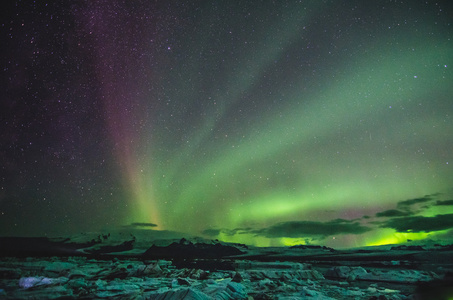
(389, 237)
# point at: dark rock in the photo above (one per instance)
(237, 277)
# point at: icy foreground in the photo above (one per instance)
(79, 277)
(254, 274)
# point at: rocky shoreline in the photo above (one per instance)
(214, 270)
(85, 278)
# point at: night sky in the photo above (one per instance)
(260, 122)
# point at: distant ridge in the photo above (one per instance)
(39, 246)
(188, 250)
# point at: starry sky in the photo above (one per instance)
(261, 122)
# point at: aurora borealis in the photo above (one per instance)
(267, 123)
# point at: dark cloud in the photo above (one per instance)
(231, 232)
(228, 232)
(406, 204)
(211, 232)
(143, 225)
(297, 229)
(393, 213)
(445, 236)
(420, 223)
(445, 202)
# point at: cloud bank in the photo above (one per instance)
(137, 224)
(405, 218)
(420, 223)
(297, 229)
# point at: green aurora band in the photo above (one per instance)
(248, 141)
